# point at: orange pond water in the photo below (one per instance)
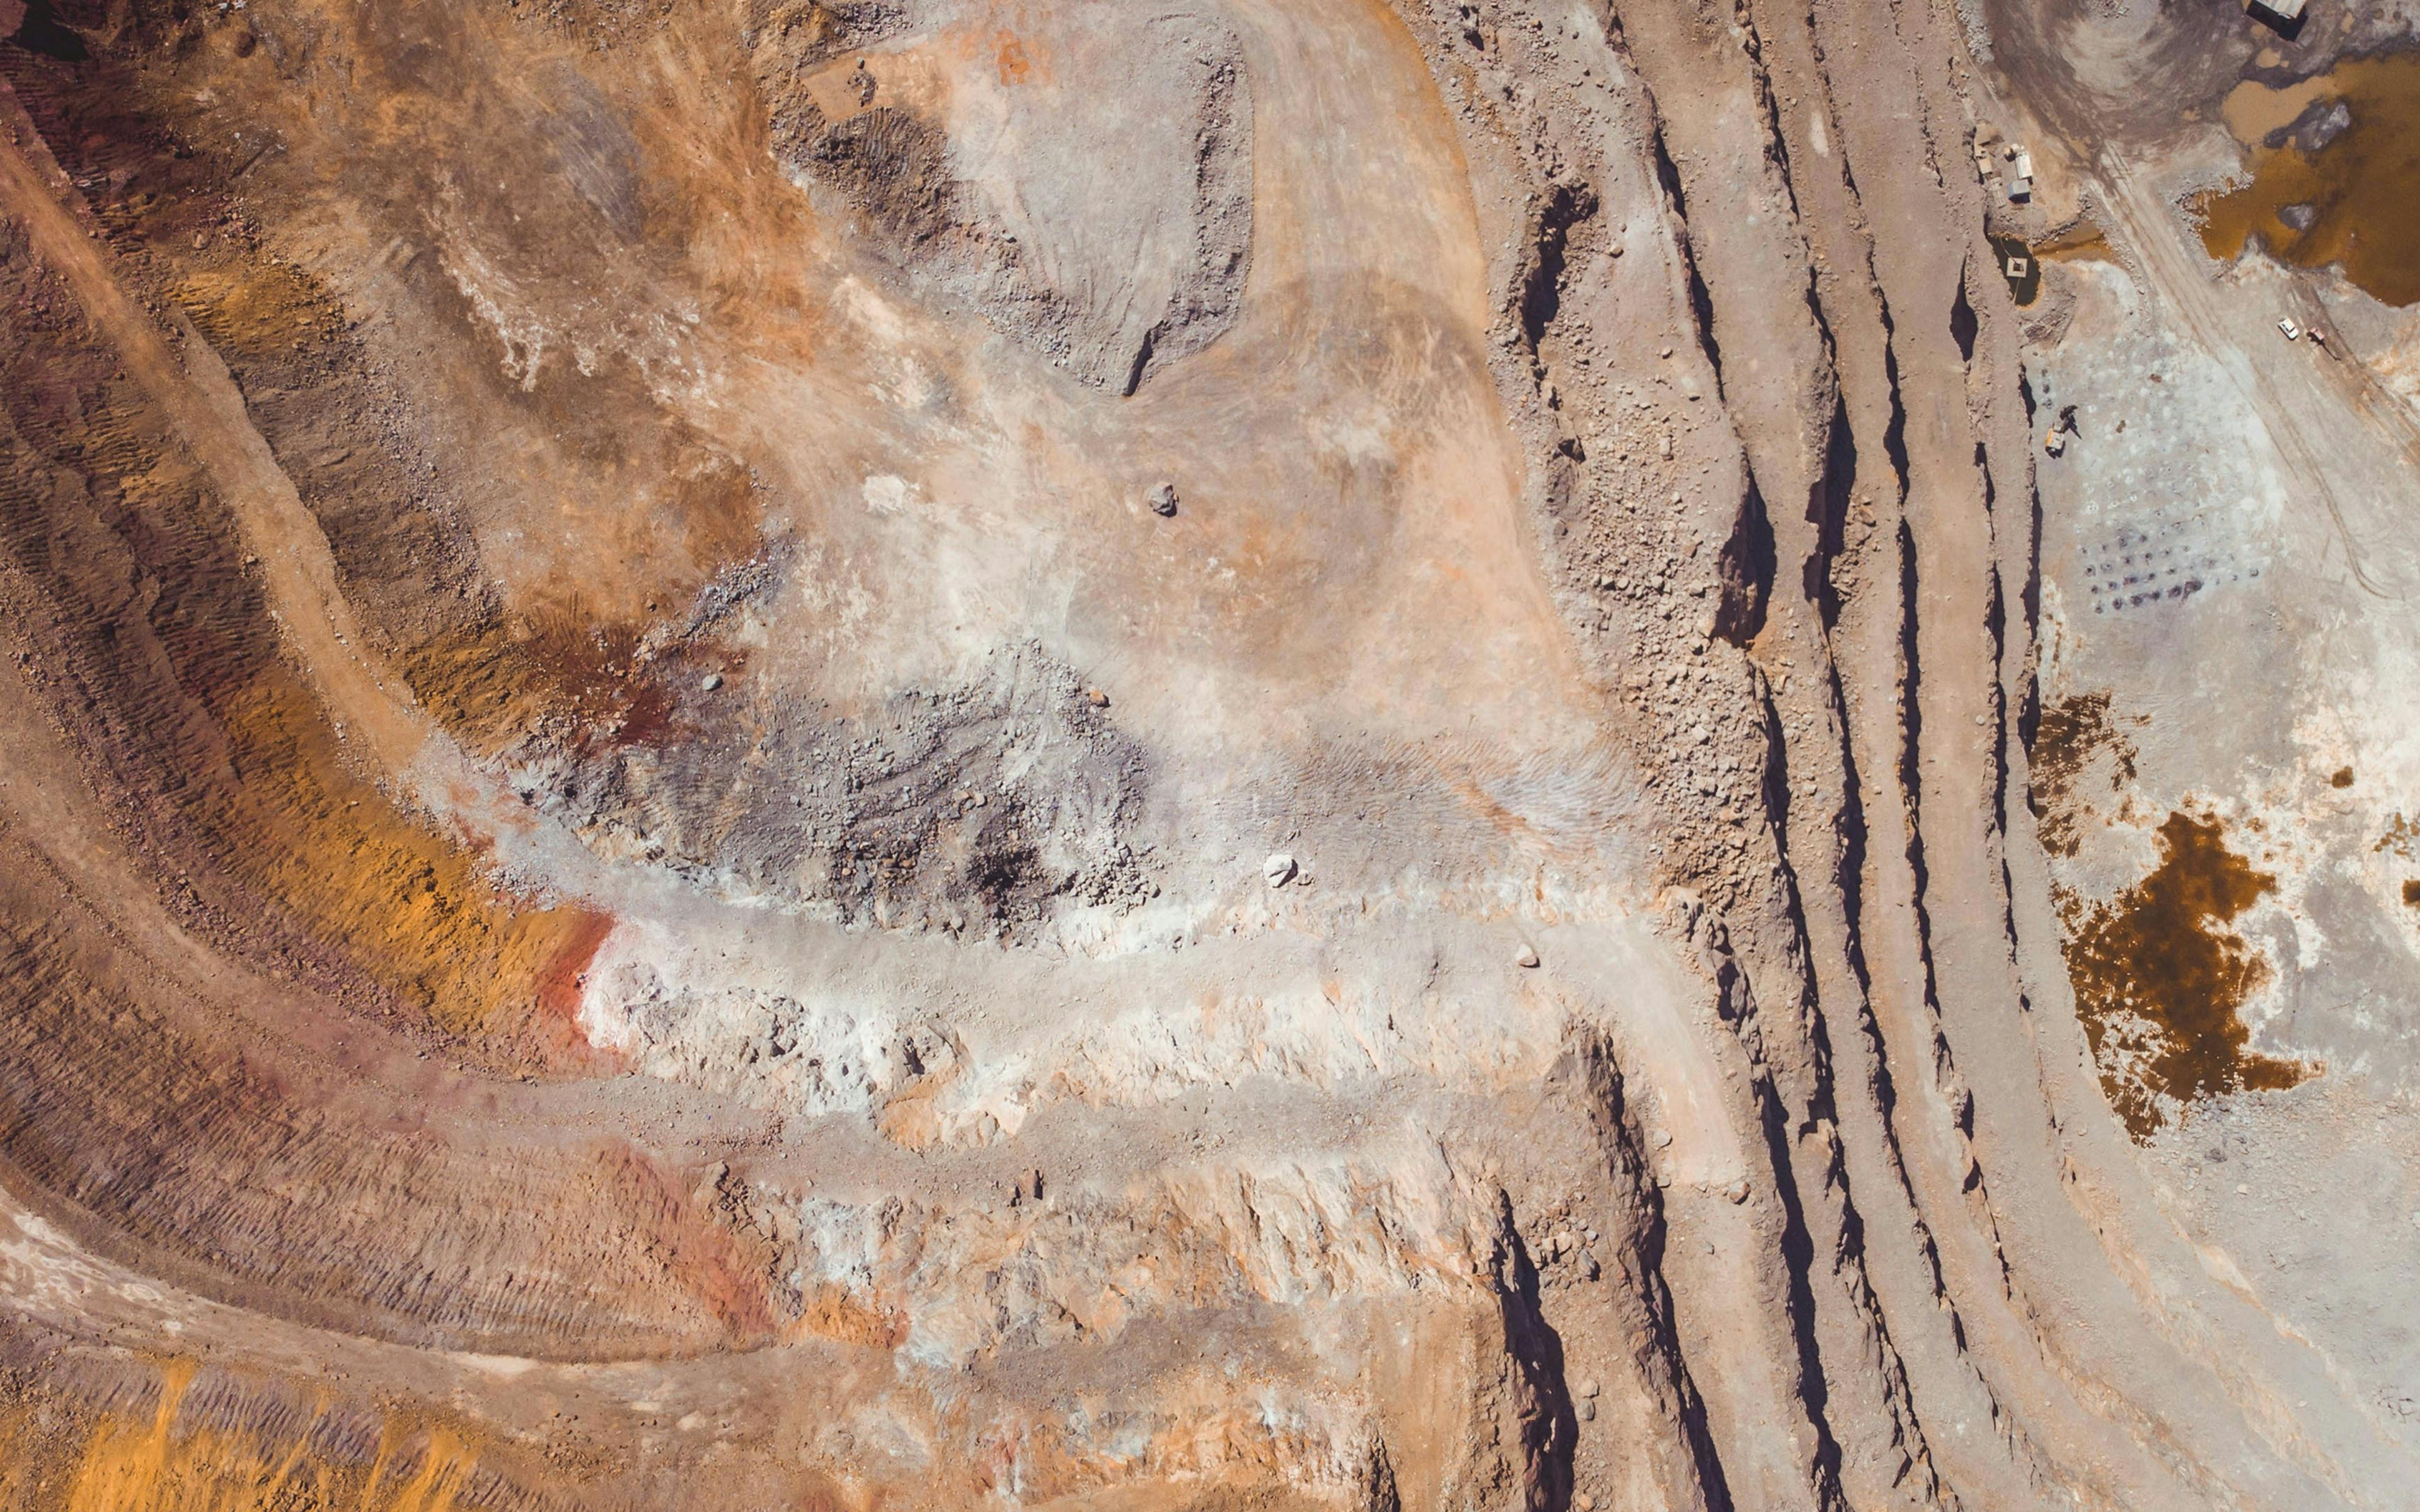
(2361, 189)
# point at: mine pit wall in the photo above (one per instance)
(1817, 608)
(95, 1144)
(1776, 439)
(1889, 955)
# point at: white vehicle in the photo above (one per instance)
(2294, 332)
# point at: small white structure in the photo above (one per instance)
(2276, 9)
(2292, 331)
(2016, 267)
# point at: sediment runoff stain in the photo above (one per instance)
(2159, 979)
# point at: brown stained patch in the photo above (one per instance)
(2073, 733)
(491, 689)
(2412, 894)
(2158, 979)
(2083, 242)
(2349, 202)
(588, 672)
(2343, 777)
(2398, 836)
(495, 686)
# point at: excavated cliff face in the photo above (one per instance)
(1231, 754)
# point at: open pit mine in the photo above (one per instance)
(1212, 755)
